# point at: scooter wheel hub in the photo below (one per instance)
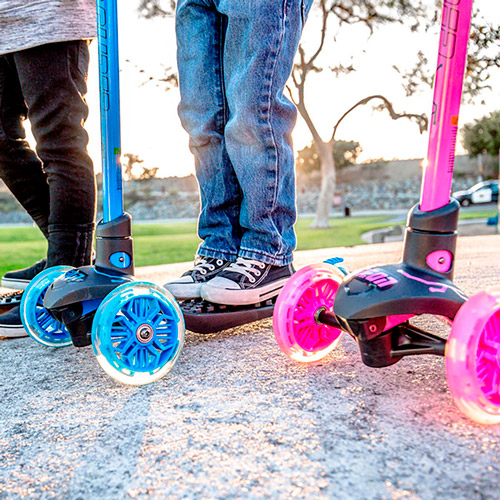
(145, 333)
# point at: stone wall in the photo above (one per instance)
(377, 186)
(374, 196)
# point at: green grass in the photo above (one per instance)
(343, 232)
(177, 241)
(478, 214)
(164, 243)
(20, 247)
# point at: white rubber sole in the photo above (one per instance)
(14, 283)
(13, 332)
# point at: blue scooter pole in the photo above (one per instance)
(109, 86)
(114, 233)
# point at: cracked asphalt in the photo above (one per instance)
(237, 419)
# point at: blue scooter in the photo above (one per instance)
(136, 328)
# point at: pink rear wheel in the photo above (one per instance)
(473, 357)
(307, 293)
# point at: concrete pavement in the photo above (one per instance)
(235, 418)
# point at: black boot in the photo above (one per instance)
(70, 244)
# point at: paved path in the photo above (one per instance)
(237, 419)
(467, 227)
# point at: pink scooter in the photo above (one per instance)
(374, 305)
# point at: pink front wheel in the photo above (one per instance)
(307, 292)
(473, 357)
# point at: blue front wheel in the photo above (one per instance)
(37, 321)
(138, 333)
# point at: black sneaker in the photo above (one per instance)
(246, 282)
(188, 286)
(11, 324)
(19, 279)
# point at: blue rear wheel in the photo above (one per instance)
(37, 321)
(138, 333)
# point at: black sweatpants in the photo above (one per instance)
(55, 184)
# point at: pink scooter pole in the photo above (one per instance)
(438, 173)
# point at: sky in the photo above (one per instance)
(151, 128)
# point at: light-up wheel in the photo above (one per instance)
(295, 320)
(473, 357)
(138, 333)
(37, 321)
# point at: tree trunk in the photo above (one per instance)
(328, 182)
(480, 166)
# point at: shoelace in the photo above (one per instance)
(247, 267)
(202, 265)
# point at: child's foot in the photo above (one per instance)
(11, 324)
(188, 286)
(20, 278)
(246, 282)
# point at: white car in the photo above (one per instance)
(483, 192)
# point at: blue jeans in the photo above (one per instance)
(234, 58)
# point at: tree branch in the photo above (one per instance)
(324, 22)
(421, 120)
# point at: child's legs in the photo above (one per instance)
(203, 111)
(53, 81)
(20, 168)
(261, 41)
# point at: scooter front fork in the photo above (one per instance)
(374, 305)
(74, 298)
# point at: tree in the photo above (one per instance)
(154, 8)
(483, 135)
(483, 55)
(346, 12)
(159, 8)
(131, 173)
(147, 173)
(131, 160)
(345, 154)
(369, 13)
